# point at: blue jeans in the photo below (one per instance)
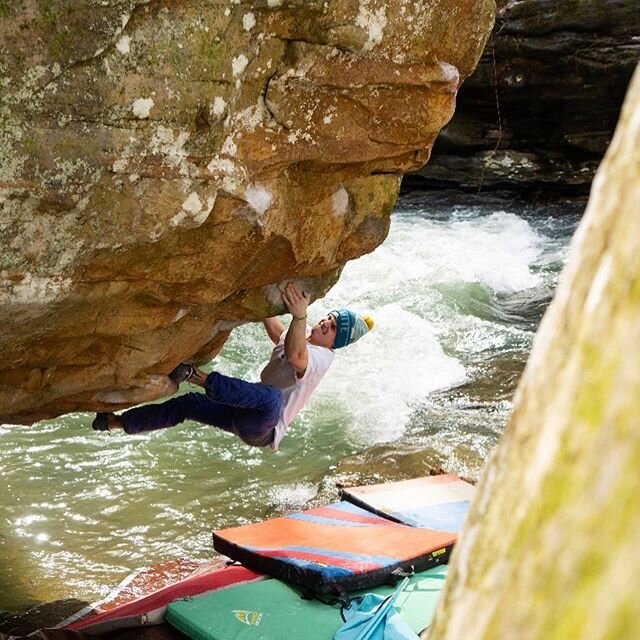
(251, 410)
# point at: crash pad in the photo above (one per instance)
(339, 547)
(150, 608)
(275, 610)
(434, 502)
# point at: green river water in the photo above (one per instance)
(457, 291)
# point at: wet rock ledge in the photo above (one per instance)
(541, 108)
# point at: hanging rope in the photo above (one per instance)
(495, 89)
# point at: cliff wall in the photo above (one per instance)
(542, 106)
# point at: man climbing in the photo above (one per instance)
(258, 412)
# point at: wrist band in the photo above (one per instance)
(300, 318)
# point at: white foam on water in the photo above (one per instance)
(496, 250)
(292, 497)
(378, 380)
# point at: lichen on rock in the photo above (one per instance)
(163, 166)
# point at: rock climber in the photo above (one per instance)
(259, 413)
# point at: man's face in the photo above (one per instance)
(324, 332)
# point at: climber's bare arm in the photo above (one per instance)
(274, 329)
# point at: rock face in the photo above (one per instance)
(165, 165)
(550, 547)
(541, 107)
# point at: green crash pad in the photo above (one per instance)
(272, 610)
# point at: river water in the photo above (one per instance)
(456, 291)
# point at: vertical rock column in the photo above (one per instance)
(550, 548)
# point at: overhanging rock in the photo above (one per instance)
(164, 165)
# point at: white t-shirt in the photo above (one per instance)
(295, 391)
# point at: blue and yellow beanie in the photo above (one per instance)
(350, 327)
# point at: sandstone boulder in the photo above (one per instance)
(164, 166)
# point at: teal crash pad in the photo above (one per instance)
(272, 610)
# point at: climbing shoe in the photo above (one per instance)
(101, 422)
(183, 372)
